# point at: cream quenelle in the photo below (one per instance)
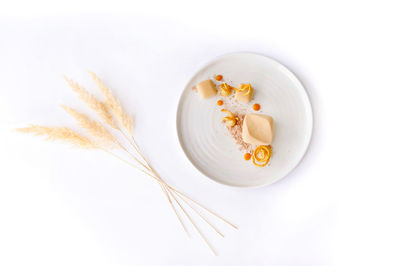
(258, 129)
(206, 89)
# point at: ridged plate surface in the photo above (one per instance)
(207, 143)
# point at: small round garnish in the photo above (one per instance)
(247, 156)
(220, 102)
(256, 107)
(218, 77)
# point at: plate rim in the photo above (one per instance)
(294, 77)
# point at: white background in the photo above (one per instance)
(60, 206)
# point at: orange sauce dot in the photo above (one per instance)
(256, 107)
(220, 102)
(218, 77)
(247, 156)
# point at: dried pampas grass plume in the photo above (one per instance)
(99, 107)
(94, 128)
(114, 105)
(105, 140)
(63, 134)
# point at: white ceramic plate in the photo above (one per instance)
(206, 141)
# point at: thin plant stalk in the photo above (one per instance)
(167, 187)
(164, 189)
(195, 226)
(204, 207)
(200, 214)
(156, 176)
(113, 115)
(136, 147)
(126, 161)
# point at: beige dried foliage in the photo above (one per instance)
(94, 128)
(114, 105)
(98, 106)
(63, 134)
(104, 140)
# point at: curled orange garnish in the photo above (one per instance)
(262, 154)
(246, 88)
(226, 90)
(230, 120)
(229, 112)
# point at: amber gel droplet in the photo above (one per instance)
(256, 107)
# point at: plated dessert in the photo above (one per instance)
(252, 131)
(269, 120)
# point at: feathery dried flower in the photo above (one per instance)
(115, 106)
(98, 106)
(63, 134)
(94, 128)
(105, 140)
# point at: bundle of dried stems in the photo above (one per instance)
(105, 135)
